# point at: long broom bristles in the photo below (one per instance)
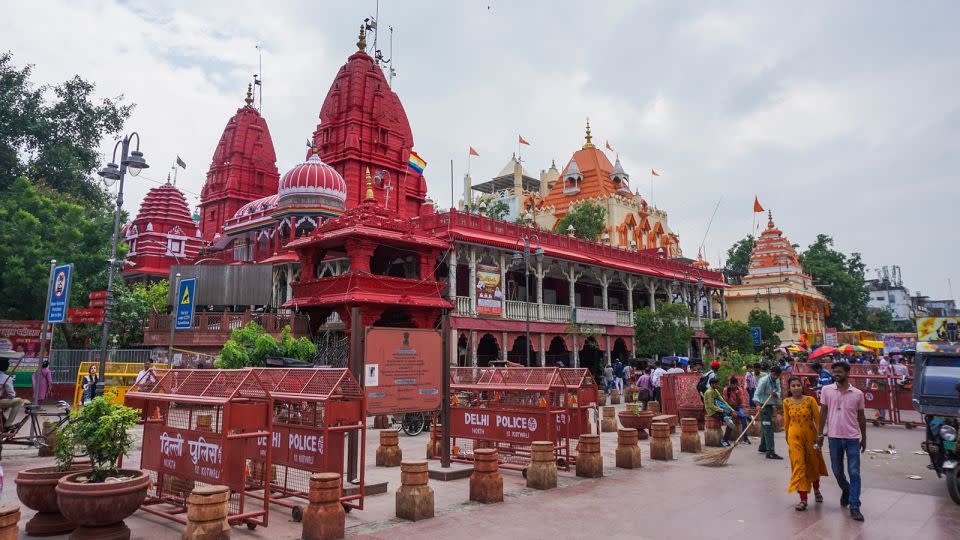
(720, 456)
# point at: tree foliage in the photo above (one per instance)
(664, 331)
(587, 218)
(52, 134)
(251, 346)
(738, 256)
(840, 278)
(770, 327)
(494, 209)
(730, 336)
(133, 305)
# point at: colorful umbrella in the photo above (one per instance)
(822, 351)
(847, 349)
(861, 348)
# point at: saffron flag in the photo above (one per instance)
(416, 162)
(523, 141)
(474, 152)
(654, 173)
(756, 204)
(610, 148)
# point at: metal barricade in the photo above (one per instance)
(198, 428)
(678, 389)
(314, 412)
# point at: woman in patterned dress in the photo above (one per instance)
(801, 416)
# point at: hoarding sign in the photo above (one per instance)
(830, 337)
(595, 316)
(489, 290)
(186, 294)
(898, 341)
(936, 328)
(23, 337)
(402, 370)
(59, 294)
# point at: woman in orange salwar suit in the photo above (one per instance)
(801, 416)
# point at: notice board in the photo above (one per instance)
(402, 370)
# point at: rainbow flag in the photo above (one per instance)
(416, 162)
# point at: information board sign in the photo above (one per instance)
(402, 370)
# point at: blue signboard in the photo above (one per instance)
(59, 294)
(757, 337)
(186, 294)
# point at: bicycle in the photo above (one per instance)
(412, 423)
(36, 438)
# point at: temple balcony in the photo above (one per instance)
(212, 329)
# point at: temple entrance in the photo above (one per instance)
(487, 350)
(518, 353)
(619, 351)
(558, 353)
(591, 357)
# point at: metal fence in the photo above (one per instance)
(64, 363)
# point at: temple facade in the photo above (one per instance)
(775, 283)
(163, 233)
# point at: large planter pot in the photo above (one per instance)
(99, 509)
(630, 420)
(36, 489)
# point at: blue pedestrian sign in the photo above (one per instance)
(186, 296)
(59, 294)
(756, 335)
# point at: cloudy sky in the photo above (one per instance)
(843, 117)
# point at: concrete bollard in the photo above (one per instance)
(415, 497)
(661, 447)
(9, 517)
(630, 394)
(486, 484)
(654, 407)
(207, 514)
(324, 518)
(628, 453)
(388, 453)
(434, 447)
(754, 429)
(589, 460)
(711, 432)
(542, 472)
(608, 423)
(690, 436)
(614, 397)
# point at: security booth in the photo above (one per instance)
(508, 409)
(314, 410)
(198, 428)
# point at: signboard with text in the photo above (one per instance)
(402, 370)
(522, 427)
(830, 337)
(186, 294)
(304, 448)
(898, 341)
(489, 290)
(59, 294)
(23, 337)
(757, 335)
(187, 454)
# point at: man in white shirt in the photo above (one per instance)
(676, 368)
(655, 379)
(144, 372)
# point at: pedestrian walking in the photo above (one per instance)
(42, 382)
(801, 419)
(750, 380)
(655, 378)
(618, 375)
(737, 400)
(608, 378)
(645, 386)
(768, 387)
(846, 426)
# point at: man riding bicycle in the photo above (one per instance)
(8, 396)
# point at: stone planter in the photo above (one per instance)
(99, 509)
(36, 489)
(693, 410)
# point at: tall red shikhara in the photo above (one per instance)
(243, 169)
(162, 234)
(363, 125)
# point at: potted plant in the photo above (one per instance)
(100, 499)
(634, 417)
(36, 489)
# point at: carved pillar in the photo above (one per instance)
(503, 346)
(543, 352)
(652, 294)
(472, 286)
(572, 276)
(576, 352)
(607, 352)
(538, 273)
(630, 282)
(289, 267)
(604, 279)
(452, 275)
(472, 346)
(360, 252)
(503, 277)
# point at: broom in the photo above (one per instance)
(720, 456)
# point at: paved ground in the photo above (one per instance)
(678, 499)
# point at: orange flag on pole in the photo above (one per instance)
(756, 205)
(654, 173)
(523, 141)
(474, 152)
(610, 148)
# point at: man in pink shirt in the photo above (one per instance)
(846, 424)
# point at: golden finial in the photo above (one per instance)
(249, 98)
(370, 196)
(769, 219)
(362, 42)
(589, 143)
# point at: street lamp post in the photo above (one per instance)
(524, 255)
(112, 173)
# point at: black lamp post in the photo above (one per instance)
(523, 254)
(129, 161)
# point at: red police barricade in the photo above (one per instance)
(678, 389)
(314, 410)
(508, 409)
(198, 424)
(583, 397)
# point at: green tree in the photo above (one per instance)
(52, 134)
(840, 278)
(879, 320)
(770, 327)
(664, 331)
(36, 226)
(730, 336)
(588, 220)
(494, 209)
(251, 346)
(133, 305)
(738, 257)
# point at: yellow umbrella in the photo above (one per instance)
(873, 344)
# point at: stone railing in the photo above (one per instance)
(624, 318)
(463, 305)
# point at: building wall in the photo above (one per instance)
(896, 300)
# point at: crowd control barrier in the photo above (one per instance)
(198, 428)
(314, 410)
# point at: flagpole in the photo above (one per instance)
(451, 184)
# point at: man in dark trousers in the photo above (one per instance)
(768, 387)
(846, 425)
